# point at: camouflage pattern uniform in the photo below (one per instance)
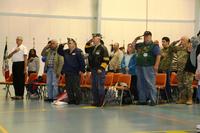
(164, 67)
(166, 59)
(184, 78)
(173, 67)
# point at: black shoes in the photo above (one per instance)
(49, 100)
(150, 103)
(17, 98)
(76, 102)
(141, 103)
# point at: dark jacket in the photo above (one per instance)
(73, 62)
(188, 66)
(98, 57)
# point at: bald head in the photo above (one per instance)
(54, 44)
(116, 46)
(184, 40)
(19, 40)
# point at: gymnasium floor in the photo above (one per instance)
(34, 116)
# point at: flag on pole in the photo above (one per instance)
(5, 66)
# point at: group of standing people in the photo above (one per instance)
(142, 60)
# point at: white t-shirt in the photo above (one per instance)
(19, 56)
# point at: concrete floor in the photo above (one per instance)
(34, 116)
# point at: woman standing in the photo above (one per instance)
(128, 66)
(33, 62)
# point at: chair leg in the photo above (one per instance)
(40, 91)
(131, 96)
(167, 96)
(158, 96)
(105, 99)
(8, 91)
(122, 93)
(177, 93)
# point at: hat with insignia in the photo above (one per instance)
(96, 35)
(146, 33)
(19, 38)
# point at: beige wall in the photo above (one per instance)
(43, 19)
(125, 20)
(121, 20)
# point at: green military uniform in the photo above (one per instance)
(166, 59)
(165, 67)
(184, 78)
(173, 67)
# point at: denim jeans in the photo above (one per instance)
(146, 83)
(168, 87)
(52, 84)
(198, 92)
(98, 80)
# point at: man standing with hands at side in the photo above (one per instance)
(147, 62)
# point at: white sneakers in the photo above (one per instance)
(59, 103)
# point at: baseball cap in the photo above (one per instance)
(96, 35)
(146, 33)
(19, 38)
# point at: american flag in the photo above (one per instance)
(5, 66)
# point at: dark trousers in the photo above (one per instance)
(29, 72)
(98, 90)
(134, 90)
(18, 78)
(164, 96)
(73, 87)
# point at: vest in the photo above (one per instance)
(144, 56)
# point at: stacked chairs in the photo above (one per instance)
(30, 82)
(8, 82)
(42, 85)
(86, 84)
(174, 85)
(61, 82)
(120, 83)
(108, 81)
(160, 85)
(195, 87)
(125, 79)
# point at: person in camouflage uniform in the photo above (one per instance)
(165, 65)
(185, 78)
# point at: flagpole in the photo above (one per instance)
(6, 47)
(33, 42)
(5, 66)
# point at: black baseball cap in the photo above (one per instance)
(147, 33)
(96, 35)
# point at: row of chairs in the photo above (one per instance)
(111, 80)
(28, 79)
(161, 83)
